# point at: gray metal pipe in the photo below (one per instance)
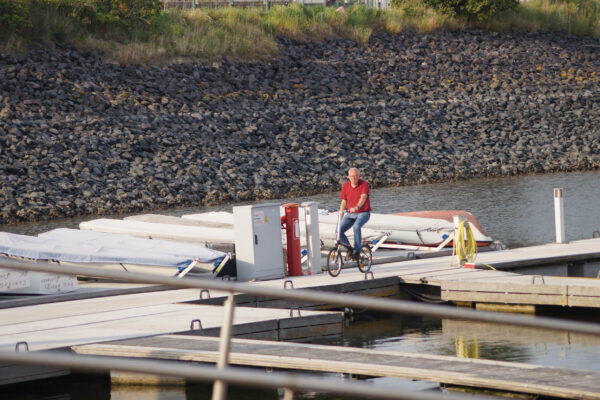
(312, 296)
(219, 387)
(238, 376)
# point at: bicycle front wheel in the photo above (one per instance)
(365, 260)
(334, 262)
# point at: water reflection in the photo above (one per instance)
(474, 340)
(132, 392)
(520, 344)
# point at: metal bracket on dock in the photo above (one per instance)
(292, 311)
(202, 294)
(19, 344)
(192, 324)
(410, 255)
(285, 284)
(369, 273)
(535, 276)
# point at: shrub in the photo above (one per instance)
(127, 13)
(478, 10)
(14, 15)
(361, 16)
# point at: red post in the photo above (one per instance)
(292, 232)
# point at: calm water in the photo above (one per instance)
(518, 211)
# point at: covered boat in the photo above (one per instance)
(101, 250)
(420, 228)
(209, 236)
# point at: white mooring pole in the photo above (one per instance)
(559, 215)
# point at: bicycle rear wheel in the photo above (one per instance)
(334, 262)
(365, 260)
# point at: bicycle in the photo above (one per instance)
(341, 252)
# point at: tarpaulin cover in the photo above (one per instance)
(72, 245)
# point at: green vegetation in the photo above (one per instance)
(474, 10)
(140, 32)
(581, 17)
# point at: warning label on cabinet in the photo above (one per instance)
(258, 217)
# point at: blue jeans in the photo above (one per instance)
(355, 220)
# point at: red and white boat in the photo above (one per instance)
(417, 228)
(447, 216)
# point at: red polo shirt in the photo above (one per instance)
(352, 195)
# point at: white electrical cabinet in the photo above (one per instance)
(258, 247)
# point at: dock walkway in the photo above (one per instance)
(61, 325)
(462, 284)
(65, 324)
(506, 376)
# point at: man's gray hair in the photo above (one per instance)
(353, 169)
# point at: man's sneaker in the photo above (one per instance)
(356, 255)
(347, 247)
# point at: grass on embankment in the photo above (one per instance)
(249, 34)
(581, 17)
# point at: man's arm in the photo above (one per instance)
(361, 202)
(343, 205)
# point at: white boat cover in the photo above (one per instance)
(378, 222)
(386, 222)
(170, 232)
(169, 220)
(72, 245)
(222, 217)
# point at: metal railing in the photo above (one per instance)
(222, 374)
(290, 382)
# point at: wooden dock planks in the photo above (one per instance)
(64, 324)
(506, 376)
(59, 325)
(456, 284)
(525, 289)
(551, 253)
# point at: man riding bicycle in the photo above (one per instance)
(355, 199)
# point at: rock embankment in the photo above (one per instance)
(79, 135)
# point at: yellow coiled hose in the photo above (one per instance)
(465, 246)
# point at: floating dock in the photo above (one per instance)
(65, 324)
(117, 323)
(442, 278)
(484, 374)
